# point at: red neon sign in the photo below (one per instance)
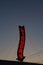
(20, 50)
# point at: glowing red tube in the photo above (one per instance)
(20, 50)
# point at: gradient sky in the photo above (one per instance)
(21, 12)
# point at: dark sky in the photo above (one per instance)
(21, 12)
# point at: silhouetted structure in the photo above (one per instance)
(6, 62)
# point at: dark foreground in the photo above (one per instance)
(6, 62)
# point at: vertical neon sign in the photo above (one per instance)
(20, 49)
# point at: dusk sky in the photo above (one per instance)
(28, 13)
